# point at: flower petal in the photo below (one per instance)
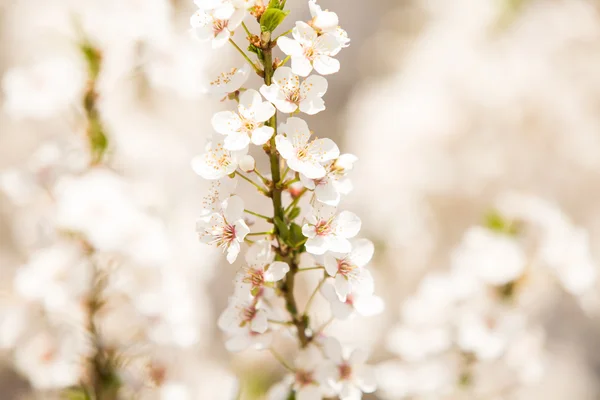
(331, 264)
(277, 271)
(333, 350)
(262, 135)
(233, 209)
(226, 122)
(289, 46)
(347, 224)
(362, 252)
(326, 65)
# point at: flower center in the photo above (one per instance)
(345, 371)
(225, 237)
(294, 96)
(345, 268)
(304, 378)
(248, 314)
(248, 125)
(219, 25)
(302, 153)
(254, 277)
(309, 52)
(323, 228)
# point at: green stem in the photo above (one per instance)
(313, 295)
(268, 219)
(295, 202)
(246, 29)
(256, 185)
(243, 53)
(260, 233)
(287, 287)
(283, 34)
(279, 358)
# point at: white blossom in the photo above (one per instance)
(365, 304)
(261, 268)
(215, 26)
(328, 231)
(330, 188)
(246, 125)
(217, 162)
(348, 269)
(302, 155)
(309, 50)
(325, 21)
(225, 229)
(495, 258)
(347, 373)
(230, 81)
(288, 94)
(241, 313)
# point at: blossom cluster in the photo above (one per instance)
(99, 296)
(264, 303)
(473, 328)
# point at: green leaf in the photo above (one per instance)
(291, 396)
(271, 19)
(282, 229)
(294, 213)
(296, 238)
(275, 4)
(259, 53)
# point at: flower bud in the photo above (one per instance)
(247, 163)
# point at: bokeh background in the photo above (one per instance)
(454, 109)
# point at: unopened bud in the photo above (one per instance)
(247, 163)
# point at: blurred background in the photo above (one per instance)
(477, 128)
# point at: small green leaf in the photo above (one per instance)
(291, 396)
(282, 228)
(294, 213)
(259, 53)
(275, 4)
(296, 238)
(271, 19)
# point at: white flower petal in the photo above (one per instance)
(304, 33)
(277, 271)
(226, 122)
(233, 209)
(347, 224)
(260, 322)
(289, 46)
(362, 252)
(333, 350)
(262, 135)
(330, 264)
(326, 65)
(342, 287)
(301, 65)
